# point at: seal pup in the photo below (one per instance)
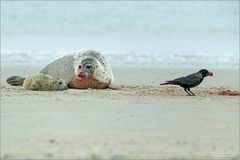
(44, 82)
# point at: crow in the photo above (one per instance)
(190, 81)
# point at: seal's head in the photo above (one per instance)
(59, 84)
(85, 68)
(88, 73)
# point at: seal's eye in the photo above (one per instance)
(59, 83)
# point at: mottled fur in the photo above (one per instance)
(66, 67)
(43, 82)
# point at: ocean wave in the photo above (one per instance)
(215, 60)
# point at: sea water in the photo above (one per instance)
(133, 33)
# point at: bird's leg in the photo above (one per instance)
(185, 89)
(191, 92)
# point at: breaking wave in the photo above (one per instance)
(134, 59)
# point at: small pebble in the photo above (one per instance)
(51, 141)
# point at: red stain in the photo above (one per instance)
(227, 93)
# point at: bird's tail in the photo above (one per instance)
(167, 82)
(16, 80)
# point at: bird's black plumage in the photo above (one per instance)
(190, 81)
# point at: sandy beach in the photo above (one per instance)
(142, 120)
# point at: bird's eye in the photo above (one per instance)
(59, 83)
(79, 67)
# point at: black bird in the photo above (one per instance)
(190, 81)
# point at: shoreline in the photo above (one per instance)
(223, 77)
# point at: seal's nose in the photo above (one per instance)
(87, 68)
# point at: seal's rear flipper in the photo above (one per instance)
(15, 80)
(113, 86)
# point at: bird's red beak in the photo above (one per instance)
(210, 74)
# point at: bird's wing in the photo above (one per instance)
(190, 80)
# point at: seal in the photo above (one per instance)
(82, 70)
(44, 82)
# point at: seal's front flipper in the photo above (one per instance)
(15, 80)
(113, 87)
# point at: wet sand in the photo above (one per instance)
(142, 120)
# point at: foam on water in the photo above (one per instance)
(198, 60)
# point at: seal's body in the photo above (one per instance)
(85, 69)
(44, 82)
